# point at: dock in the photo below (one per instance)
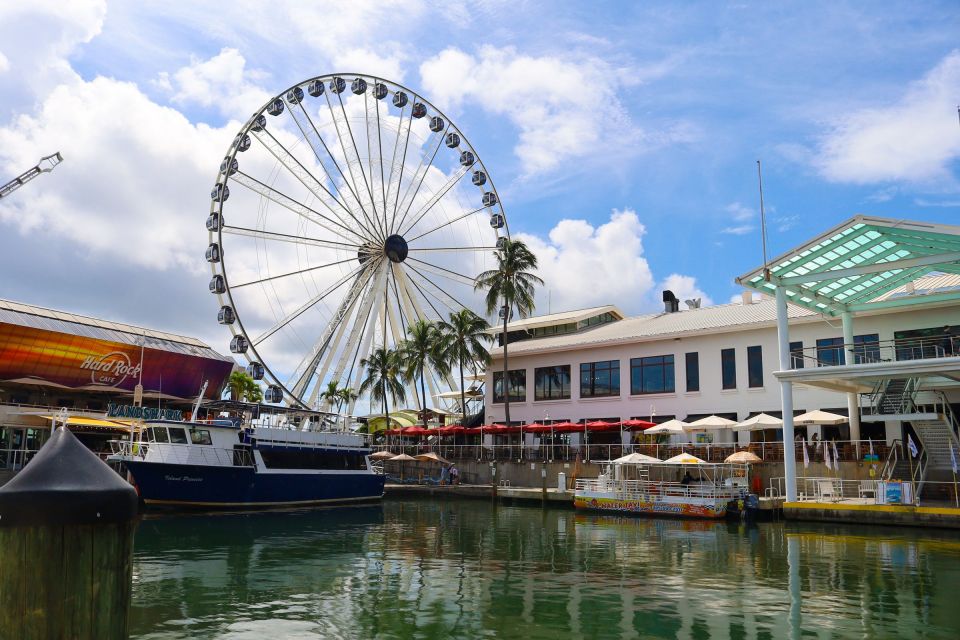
(863, 512)
(522, 494)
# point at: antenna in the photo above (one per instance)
(763, 225)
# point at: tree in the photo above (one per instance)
(510, 286)
(345, 395)
(383, 378)
(243, 387)
(331, 394)
(423, 348)
(464, 339)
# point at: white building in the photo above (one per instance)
(596, 364)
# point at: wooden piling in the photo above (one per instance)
(66, 546)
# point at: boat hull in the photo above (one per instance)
(181, 485)
(664, 508)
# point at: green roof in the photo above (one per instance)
(850, 266)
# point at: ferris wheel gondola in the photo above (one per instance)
(346, 208)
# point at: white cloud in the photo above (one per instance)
(583, 266)
(740, 212)
(563, 106)
(685, 288)
(223, 81)
(913, 140)
(4, 63)
(738, 230)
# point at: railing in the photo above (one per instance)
(644, 489)
(879, 351)
(16, 459)
(847, 450)
(893, 458)
(169, 453)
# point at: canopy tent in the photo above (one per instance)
(379, 423)
(684, 458)
(635, 458)
(455, 395)
(759, 422)
(819, 417)
(710, 423)
(743, 457)
(670, 427)
(92, 423)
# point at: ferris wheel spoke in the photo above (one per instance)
(432, 202)
(356, 151)
(403, 164)
(286, 237)
(425, 297)
(302, 174)
(439, 293)
(422, 174)
(348, 160)
(301, 210)
(308, 304)
(363, 311)
(453, 249)
(443, 272)
(363, 346)
(290, 273)
(446, 224)
(308, 366)
(383, 187)
(313, 137)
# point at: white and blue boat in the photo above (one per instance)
(220, 465)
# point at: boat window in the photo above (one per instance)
(159, 434)
(178, 436)
(313, 459)
(200, 436)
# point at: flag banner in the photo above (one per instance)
(912, 446)
(826, 457)
(836, 458)
(806, 456)
(953, 459)
(871, 449)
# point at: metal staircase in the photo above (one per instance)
(893, 397)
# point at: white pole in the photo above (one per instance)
(786, 396)
(853, 405)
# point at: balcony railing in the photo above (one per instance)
(876, 351)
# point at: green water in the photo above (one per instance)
(470, 569)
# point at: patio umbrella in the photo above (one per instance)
(759, 422)
(743, 457)
(401, 459)
(684, 458)
(710, 422)
(819, 417)
(634, 458)
(669, 427)
(382, 455)
(431, 457)
(637, 424)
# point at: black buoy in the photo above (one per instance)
(66, 545)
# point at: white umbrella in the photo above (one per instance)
(635, 458)
(759, 422)
(670, 427)
(819, 417)
(710, 422)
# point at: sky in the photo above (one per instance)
(623, 137)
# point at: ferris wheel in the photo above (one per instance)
(345, 209)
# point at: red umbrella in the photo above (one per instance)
(635, 425)
(451, 430)
(600, 425)
(418, 431)
(567, 427)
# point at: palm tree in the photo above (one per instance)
(383, 378)
(510, 286)
(422, 349)
(345, 395)
(243, 387)
(331, 394)
(464, 340)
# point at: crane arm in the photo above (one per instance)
(46, 165)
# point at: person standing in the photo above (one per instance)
(454, 475)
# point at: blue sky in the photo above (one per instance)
(623, 137)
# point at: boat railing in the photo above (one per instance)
(635, 489)
(171, 453)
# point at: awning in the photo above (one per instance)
(92, 423)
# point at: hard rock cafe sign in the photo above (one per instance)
(110, 369)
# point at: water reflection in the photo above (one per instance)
(418, 569)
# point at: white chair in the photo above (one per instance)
(868, 489)
(826, 489)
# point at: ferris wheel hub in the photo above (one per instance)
(395, 247)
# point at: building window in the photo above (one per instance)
(551, 383)
(651, 375)
(829, 352)
(796, 355)
(866, 348)
(600, 379)
(693, 371)
(518, 386)
(935, 342)
(755, 366)
(728, 368)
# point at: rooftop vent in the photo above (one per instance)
(670, 302)
(746, 297)
(693, 304)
